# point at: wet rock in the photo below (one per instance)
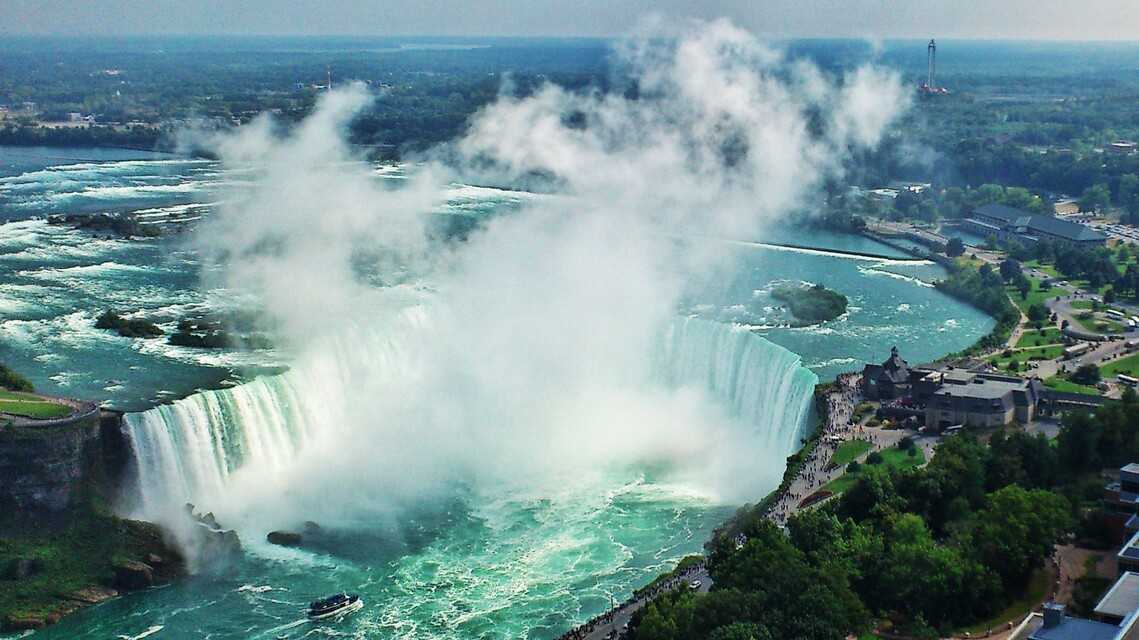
(284, 538)
(93, 595)
(131, 576)
(16, 623)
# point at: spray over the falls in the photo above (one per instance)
(198, 449)
(546, 344)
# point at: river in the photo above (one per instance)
(520, 546)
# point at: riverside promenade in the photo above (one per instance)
(838, 428)
(815, 474)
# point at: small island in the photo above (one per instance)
(128, 328)
(811, 304)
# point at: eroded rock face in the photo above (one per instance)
(18, 623)
(131, 576)
(64, 473)
(45, 469)
(284, 538)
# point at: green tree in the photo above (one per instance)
(1127, 193)
(954, 247)
(1009, 269)
(986, 194)
(1017, 531)
(1086, 374)
(1078, 442)
(1020, 198)
(13, 381)
(1095, 198)
(1023, 286)
(741, 631)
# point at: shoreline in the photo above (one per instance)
(801, 477)
(806, 472)
(65, 550)
(836, 401)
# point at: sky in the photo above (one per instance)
(873, 19)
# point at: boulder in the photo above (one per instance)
(131, 576)
(284, 538)
(15, 623)
(93, 594)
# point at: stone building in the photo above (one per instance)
(887, 381)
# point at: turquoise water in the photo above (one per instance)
(504, 547)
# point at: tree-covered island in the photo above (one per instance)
(811, 304)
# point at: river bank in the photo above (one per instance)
(610, 550)
(805, 472)
(61, 548)
(808, 471)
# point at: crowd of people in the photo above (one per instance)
(639, 599)
(838, 428)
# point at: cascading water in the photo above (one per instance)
(765, 385)
(187, 451)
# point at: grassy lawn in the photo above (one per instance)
(1048, 352)
(30, 406)
(1037, 588)
(1035, 296)
(1099, 325)
(12, 395)
(891, 457)
(1044, 268)
(1036, 338)
(1060, 383)
(1128, 366)
(848, 451)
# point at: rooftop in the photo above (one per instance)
(1076, 629)
(1045, 224)
(1123, 597)
(1065, 229)
(983, 387)
(1130, 550)
(1125, 497)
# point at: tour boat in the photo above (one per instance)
(335, 604)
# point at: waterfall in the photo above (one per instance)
(188, 450)
(765, 385)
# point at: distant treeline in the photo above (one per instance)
(145, 138)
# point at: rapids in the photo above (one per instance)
(482, 561)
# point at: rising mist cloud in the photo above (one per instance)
(527, 355)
